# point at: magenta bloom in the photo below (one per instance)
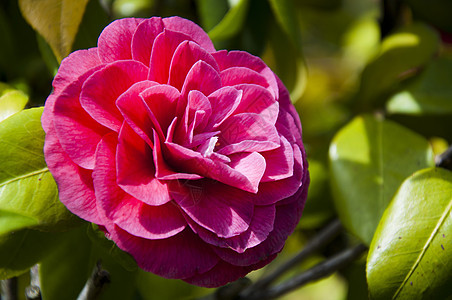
(191, 159)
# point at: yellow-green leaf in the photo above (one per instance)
(56, 20)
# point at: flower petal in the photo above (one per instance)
(181, 256)
(136, 171)
(162, 53)
(134, 111)
(215, 206)
(231, 59)
(75, 186)
(286, 219)
(247, 132)
(132, 215)
(143, 39)
(185, 56)
(189, 28)
(99, 95)
(224, 102)
(78, 133)
(115, 40)
(279, 162)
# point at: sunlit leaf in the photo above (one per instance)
(429, 93)
(408, 48)
(11, 101)
(232, 22)
(369, 159)
(411, 254)
(56, 20)
(26, 186)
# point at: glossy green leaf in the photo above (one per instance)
(287, 18)
(429, 93)
(408, 48)
(11, 101)
(56, 20)
(27, 189)
(19, 250)
(411, 254)
(232, 22)
(369, 160)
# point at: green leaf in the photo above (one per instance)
(287, 18)
(428, 93)
(232, 22)
(66, 269)
(410, 47)
(19, 250)
(411, 254)
(211, 12)
(11, 101)
(27, 189)
(369, 160)
(56, 20)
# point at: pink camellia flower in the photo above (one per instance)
(190, 159)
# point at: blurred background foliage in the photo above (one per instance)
(338, 58)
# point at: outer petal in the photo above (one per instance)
(230, 59)
(78, 133)
(181, 256)
(136, 171)
(75, 185)
(143, 39)
(127, 212)
(224, 273)
(239, 75)
(189, 28)
(115, 40)
(260, 227)
(215, 206)
(287, 217)
(100, 91)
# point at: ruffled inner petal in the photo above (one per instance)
(247, 132)
(133, 109)
(224, 102)
(160, 102)
(240, 75)
(78, 133)
(115, 41)
(124, 210)
(101, 89)
(214, 206)
(143, 39)
(256, 99)
(280, 162)
(136, 171)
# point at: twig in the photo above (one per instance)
(95, 283)
(321, 270)
(9, 289)
(320, 240)
(33, 291)
(444, 160)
